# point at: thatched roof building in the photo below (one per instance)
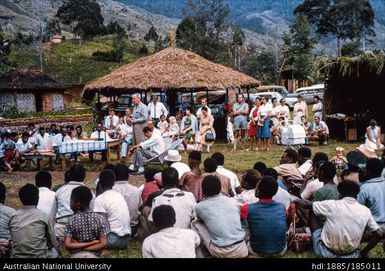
(355, 87)
(169, 70)
(30, 91)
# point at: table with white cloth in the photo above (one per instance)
(75, 146)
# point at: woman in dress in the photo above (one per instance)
(274, 112)
(317, 107)
(372, 136)
(205, 127)
(188, 128)
(253, 123)
(283, 109)
(263, 123)
(300, 109)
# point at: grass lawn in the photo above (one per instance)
(238, 161)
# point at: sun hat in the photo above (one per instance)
(173, 156)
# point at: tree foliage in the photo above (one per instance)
(151, 35)
(260, 64)
(52, 28)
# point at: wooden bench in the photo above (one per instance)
(38, 157)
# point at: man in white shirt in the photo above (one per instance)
(111, 122)
(204, 104)
(183, 202)
(41, 139)
(114, 207)
(320, 131)
(304, 160)
(147, 149)
(235, 185)
(62, 209)
(174, 159)
(43, 180)
(99, 135)
(168, 241)
(58, 140)
(151, 124)
(23, 145)
(346, 222)
(156, 109)
(130, 193)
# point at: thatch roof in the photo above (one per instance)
(170, 69)
(28, 80)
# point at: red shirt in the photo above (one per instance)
(148, 189)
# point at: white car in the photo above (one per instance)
(269, 95)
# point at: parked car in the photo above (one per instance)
(291, 99)
(273, 88)
(308, 93)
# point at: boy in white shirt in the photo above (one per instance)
(43, 180)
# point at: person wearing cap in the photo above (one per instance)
(111, 122)
(173, 159)
(356, 161)
(192, 181)
(300, 109)
(372, 192)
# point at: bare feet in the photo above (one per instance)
(10, 170)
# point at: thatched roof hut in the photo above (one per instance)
(355, 87)
(169, 70)
(29, 91)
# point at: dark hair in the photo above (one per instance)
(251, 178)
(210, 165)
(121, 172)
(25, 134)
(271, 172)
(319, 157)
(170, 177)
(149, 174)
(110, 167)
(77, 173)
(328, 170)
(211, 186)
(29, 194)
(189, 108)
(304, 152)
(267, 187)
(219, 157)
(107, 178)
(146, 129)
(260, 166)
(316, 97)
(42, 129)
(3, 191)
(204, 108)
(164, 216)
(348, 189)
(373, 122)
(43, 179)
(374, 167)
(82, 195)
(67, 177)
(299, 96)
(316, 117)
(195, 155)
(292, 154)
(31, 124)
(273, 99)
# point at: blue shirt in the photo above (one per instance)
(372, 195)
(8, 144)
(221, 216)
(267, 225)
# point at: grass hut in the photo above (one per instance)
(354, 87)
(30, 91)
(171, 71)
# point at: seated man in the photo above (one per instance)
(346, 221)
(168, 241)
(218, 222)
(266, 221)
(279, 129)
(58, 139)
(173, 159)
(86, 231)
(305, 163)
(114, 207)
(288, 168)
(152, 147)
(320, 131)
(31, 229)
(24, 146)
(99, 135)
(43, 181)
(235, 185)
(192, 181)
(5, 214)
(210, 166)
(326, 174)
(306, 125)
(111, 122)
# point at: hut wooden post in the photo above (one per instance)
(171, 102)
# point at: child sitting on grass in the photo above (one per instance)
(11, 155)
(339, 160)
(86, 231)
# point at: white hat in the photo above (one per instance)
(173, 156)
(367, 151)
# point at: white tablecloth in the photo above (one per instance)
(82, 146)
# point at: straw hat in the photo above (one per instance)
(367, 151)
(173, 156)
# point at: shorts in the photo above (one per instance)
(240, 123)
(117, 242)
(323, 251)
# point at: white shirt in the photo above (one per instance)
(22, 147)
(231, 175)
(199, 112)
(305, 167)
(321, 125)
(311, 188)
(102, 136)
(155, 144)
(183, 203)
(131, 195)
(297, 106)
(63, 199)
(317, 106)
(107, 121)
(264, 109)
(346, 221)
(248, 197)
(181, 168)
(113, 204)
(283, 111)
(58, 139)
(171, 243)
(46, 200)
(155, 111)
(41, 141)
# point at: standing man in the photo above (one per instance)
(139, 118)
(111, 122)
(156, 109)
(204, 104)
(240, 111)
(300, 109)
